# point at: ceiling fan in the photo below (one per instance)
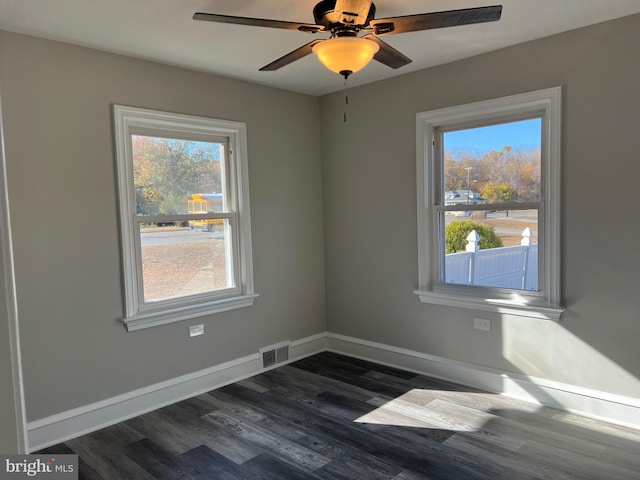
(345, 52)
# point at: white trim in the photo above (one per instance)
(8, 275)
(618, 409)
(499, 305)
(139, 322)
(133, 120)
(544, 304)
(63, 426)
(308, 346)
(595, 404)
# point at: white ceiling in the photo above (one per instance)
(163, 31)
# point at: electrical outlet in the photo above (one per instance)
(195, 330)
(482, 324)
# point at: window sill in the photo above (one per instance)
(510, 307)
(154, 319)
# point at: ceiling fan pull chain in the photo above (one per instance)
(346, 99)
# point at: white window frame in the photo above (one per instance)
(544, 304)
(130, 121)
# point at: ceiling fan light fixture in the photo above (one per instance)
(345, 55)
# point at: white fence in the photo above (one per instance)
(505, 267)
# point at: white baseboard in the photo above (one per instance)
(307, 346)
(89, 418)
(594, 404)
(79, 421)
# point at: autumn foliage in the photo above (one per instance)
(166, 171)
(501, 176)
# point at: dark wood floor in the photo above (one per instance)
(334, 417)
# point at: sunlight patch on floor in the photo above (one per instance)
(422, 408)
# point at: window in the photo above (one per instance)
(489, 205)
(184, 214)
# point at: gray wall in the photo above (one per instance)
(369, 182)
(57, 101)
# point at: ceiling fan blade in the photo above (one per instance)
(428, 21)
(291, 57)
(388, 55)
(258, 22)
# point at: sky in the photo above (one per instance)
(521, 135)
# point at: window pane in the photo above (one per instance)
(493, 164)
(180, 261)
(504, 253)
(488, 165)
(167, 171)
